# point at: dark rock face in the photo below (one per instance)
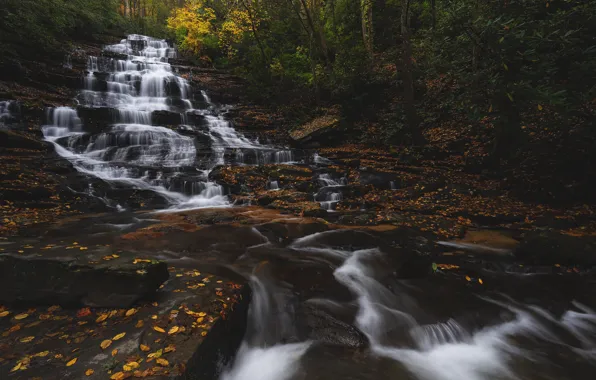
(319, 131)
(165, 118)
(549, 248)
(377, 179)
(66, 281)
(220, 346)
(316, 324)
(10, 139)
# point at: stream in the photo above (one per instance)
(376, 326)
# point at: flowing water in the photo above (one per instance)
(131, 148)
(452, 336)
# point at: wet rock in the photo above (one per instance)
(315, 324)
(97, 119)
(318, 131)
(378, 179)
(549, 248)
(70, 281)
(285, 233)
(165, 118)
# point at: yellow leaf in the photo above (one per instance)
(159, 329)
(490, 109)
(4, 313)
(480, 281)
(119, 336)
(131, 366)
(17, 367)
(468, 278)
(163, 362)
(101, 318)
(118, 376)
(145, 348)
(27, 339)
(156, 354)
(72, 362)
(105, 344)
(200, 320)
(558, 265)
(131, 312)
(204, 333)
(539, 107)
(139, 324)
(89, 372)
(42, 354)
(202, 314)
(173, 330)
(170, 348)
(21, 316)
(115, 352)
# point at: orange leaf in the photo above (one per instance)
(105, 344)
(159, 329)
(144, 348)
(163, 362)
(89, 372)
(118, 376)
(173, 330)
(114, 352)
(119, 336)
(72, 362)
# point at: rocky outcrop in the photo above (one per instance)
(316, 132)
(67, 281)
(550, 248)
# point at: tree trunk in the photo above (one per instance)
(316, 32)
(367, 26)
(126, 8)
(255, 33)
(412, 120)
(434, 13)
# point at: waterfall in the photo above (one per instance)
(129, 149)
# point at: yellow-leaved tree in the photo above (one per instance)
(193, 25)
(236, 25)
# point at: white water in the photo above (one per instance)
(443, 350)
(8, 110)
(133, 152)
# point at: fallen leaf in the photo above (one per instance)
(42, 354)
(130, 366)
(204, 333)
(163, 362)
(72, 362)
(119, 336)
(4, 313)
(468, 278)
(89, 372)
(105, 344)
(117, 376)
(170, 348)
(131, 312)
(114, 352)
(84, 312)
(139, 324)
(173, 330)
(200, 320)
(17, 367)
(159, 329)
(21, 316)
(101, 318)
(27, 339)
(202, 314)
(144, 348)
(480, 281)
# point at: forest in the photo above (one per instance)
(298, 189)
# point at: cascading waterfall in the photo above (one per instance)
(129, 150)
(9, 110)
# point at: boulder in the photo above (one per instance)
(378, 179)
(316, 132)
(316, 324)
(69, 281)
(549, 248)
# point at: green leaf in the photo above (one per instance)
(434, 267)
